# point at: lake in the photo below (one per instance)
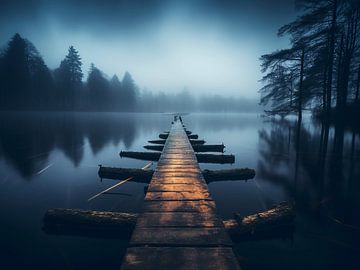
(50, 160)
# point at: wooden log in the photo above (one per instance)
(61, 221)
(154, 147)
(193, 136)
(278, 220)
(197, 148)
(275, 222)
(163, 136)
(211, 158)
(151, 156)
(157, 141)
(226, 175)
(202, 158)
(166, 135)
(209, 148)
(196, 142)
(144, 176)
(140, 176)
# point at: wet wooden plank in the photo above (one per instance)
(163, 236)
(194, 187)
(179, 206)
(177, 196)
(178, 228)
(179, 219)
(183, 258)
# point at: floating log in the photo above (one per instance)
(157, 141)
(89, 223)
(144, 176)
(209, 148)
(197, 148)
(193, 136)
(195, 142)
(163, 136)
(226, 175)
(151, 156)
(202, 158)
(140, 176)
(275, 222)
(211, 158)
(154, 147)
(190, 136)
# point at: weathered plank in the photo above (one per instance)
(179, 206)
(179, 228)
(180, 236)
(184, 258)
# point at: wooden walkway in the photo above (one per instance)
(178, 228)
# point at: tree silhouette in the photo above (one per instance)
(128, 92)
(98, 90)
(69, 80)
(329, 33)
(26, 81)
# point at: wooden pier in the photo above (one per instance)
(179, 228)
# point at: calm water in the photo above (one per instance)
(50, 160)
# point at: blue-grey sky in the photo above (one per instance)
(208, 46)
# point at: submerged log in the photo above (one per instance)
(197, 148)
(166, 135)
(195, 142)
(193, 136)
(157, 141)
(154, 147)
(211, 158)
(226, 175)
(151, 156)
(120, 225)
(209, 148)
(144, 176)
(163, 136)
(89, 223)
(139, 175)
(202, 158)
(277, 220)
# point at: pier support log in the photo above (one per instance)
(197, 148)
(144, 176)
(190, 136)
(226, 175)
(275, 222)
(61, 221)
(201, 158)
(157, 141)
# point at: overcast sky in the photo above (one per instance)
(206, 46)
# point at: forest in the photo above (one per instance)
(320, 71)
(27, 83)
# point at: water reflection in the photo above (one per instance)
(316, 164)
(27, 139)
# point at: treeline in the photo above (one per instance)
(321, 69)
(184, 101)
(28, 84)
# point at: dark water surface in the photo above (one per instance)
(50, 160)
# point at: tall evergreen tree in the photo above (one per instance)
(69, 80)
(26, 80)
(98, 90)
(128, 92)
